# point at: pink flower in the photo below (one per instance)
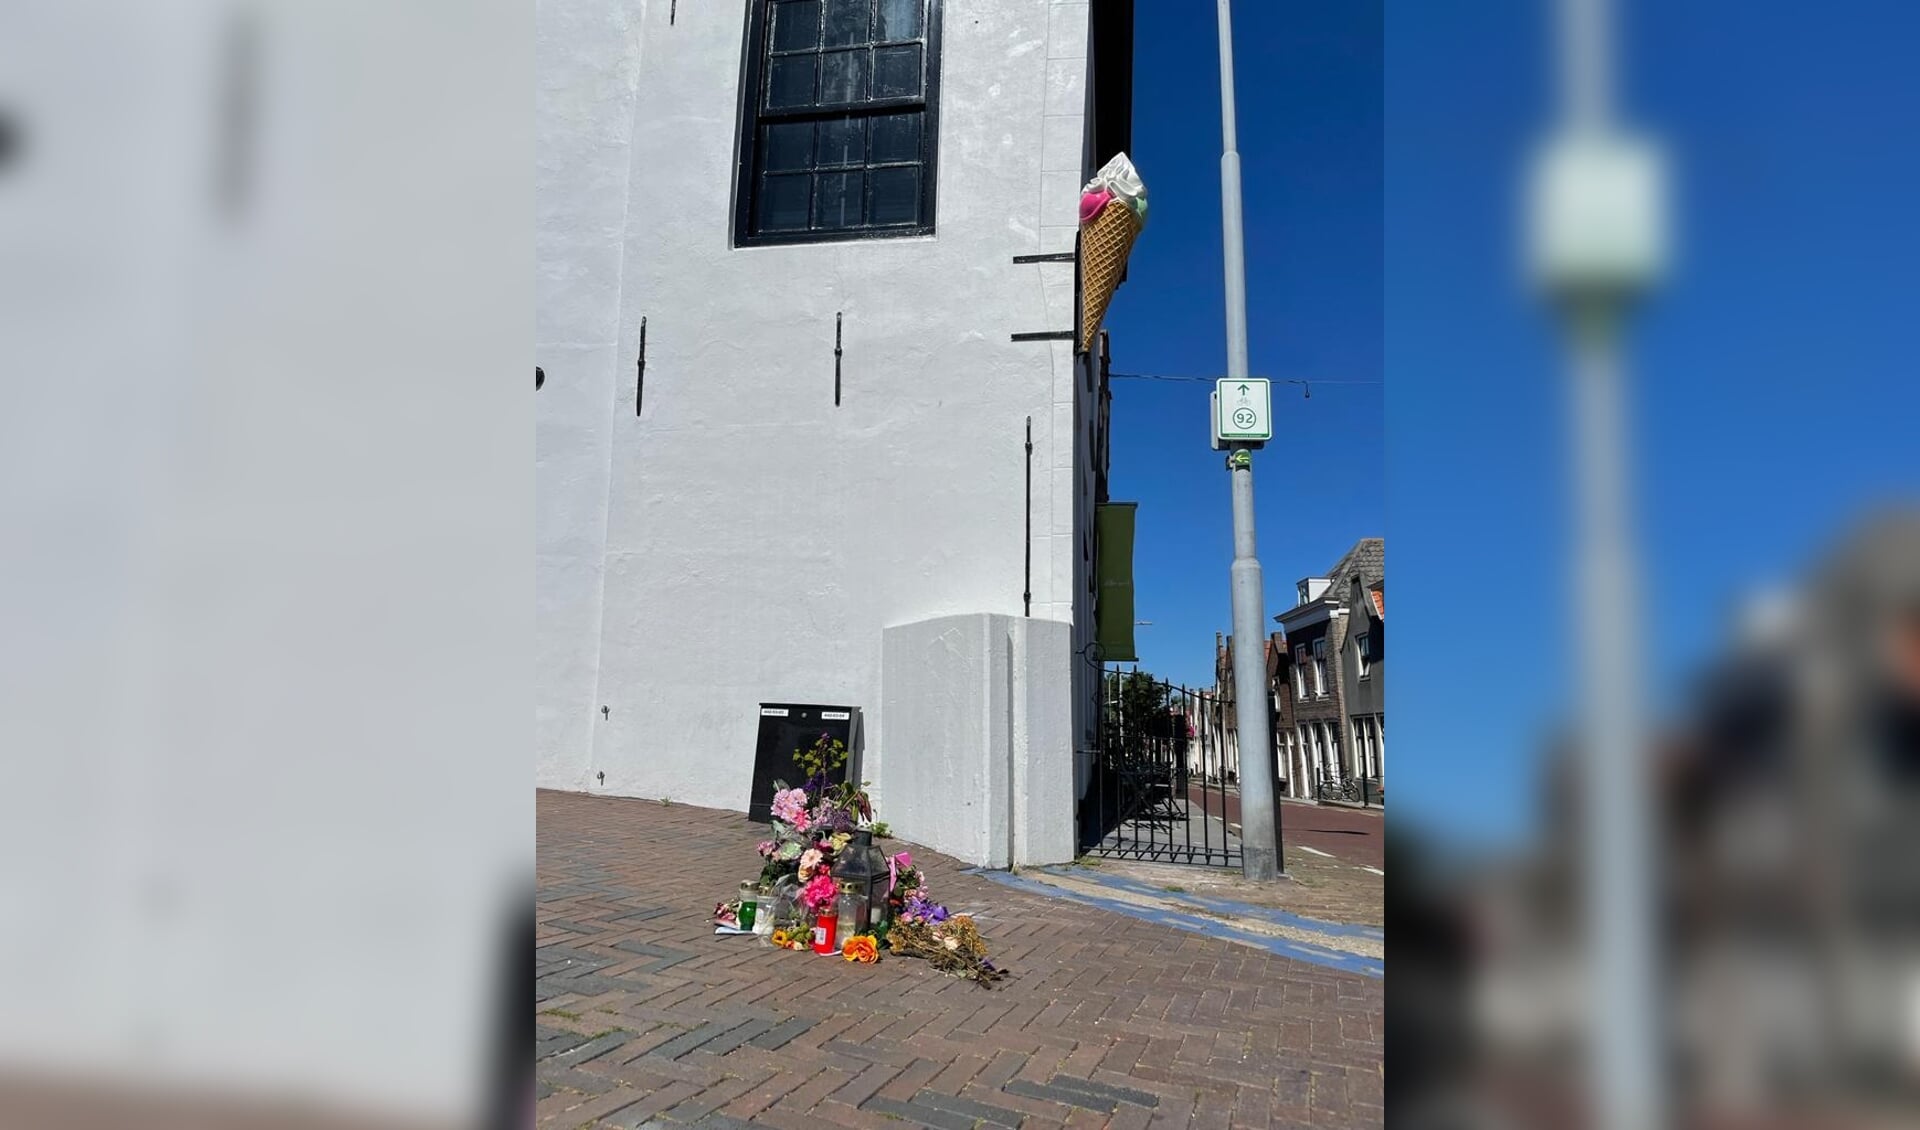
(765, 849)
(819, 894)
(809, 862)
(790, 807)
(895, 865)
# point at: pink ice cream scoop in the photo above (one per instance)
(1092, 202)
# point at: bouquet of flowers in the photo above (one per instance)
(950, 943)
(925, 929)
(906, 888)
(812, 825)
(814, 820)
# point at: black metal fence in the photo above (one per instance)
(1165, 777)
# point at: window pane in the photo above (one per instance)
(820, 160)
(786, 145)
(836, 200)
(843, 77)
(843, 141)
(902, 19)
(896, 196)
(783, 203)
(896, 137)
(847, 22)
(896, 71)
(796, 25)
(790, 81)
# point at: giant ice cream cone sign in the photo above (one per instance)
(1113, 210)
(1105, 242)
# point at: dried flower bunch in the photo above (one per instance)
(952, 945)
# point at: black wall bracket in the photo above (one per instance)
(640, 370)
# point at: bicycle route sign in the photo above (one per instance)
(1244, 409)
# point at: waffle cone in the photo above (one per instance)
(1105, 242)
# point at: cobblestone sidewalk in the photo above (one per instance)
(645, 1017)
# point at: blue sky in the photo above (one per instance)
(1773, 400)
(1309, 102)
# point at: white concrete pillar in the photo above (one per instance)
(974, 752)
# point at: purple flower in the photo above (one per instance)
(924, 909)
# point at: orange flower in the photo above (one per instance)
(861, 948)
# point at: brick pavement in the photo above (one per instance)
(645, 1017)
(1317, 886)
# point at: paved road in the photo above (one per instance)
(1355, 835)
(645, 1017)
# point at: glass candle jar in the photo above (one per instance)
(749, 905)
(825, 931)
(763, 916)
(786, 908)
(852, 904)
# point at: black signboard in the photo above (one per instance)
(786, 728)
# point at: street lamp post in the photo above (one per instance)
(1598, 245)
(1259, 827)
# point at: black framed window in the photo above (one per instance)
(837, 120)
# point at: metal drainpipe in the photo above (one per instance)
(1026, 594)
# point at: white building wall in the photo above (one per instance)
(744, 539)
(588, 56)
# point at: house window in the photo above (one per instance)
(1320, 668)
(1321, 750)
(837, 120)
(1363, 645)
(1300, 671)
(1365, 746)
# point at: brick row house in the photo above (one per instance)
(1224, 708)
(1328, 674)
(1327, 678)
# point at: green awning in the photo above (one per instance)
(1113, 575)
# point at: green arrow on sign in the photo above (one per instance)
(1243, 390)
